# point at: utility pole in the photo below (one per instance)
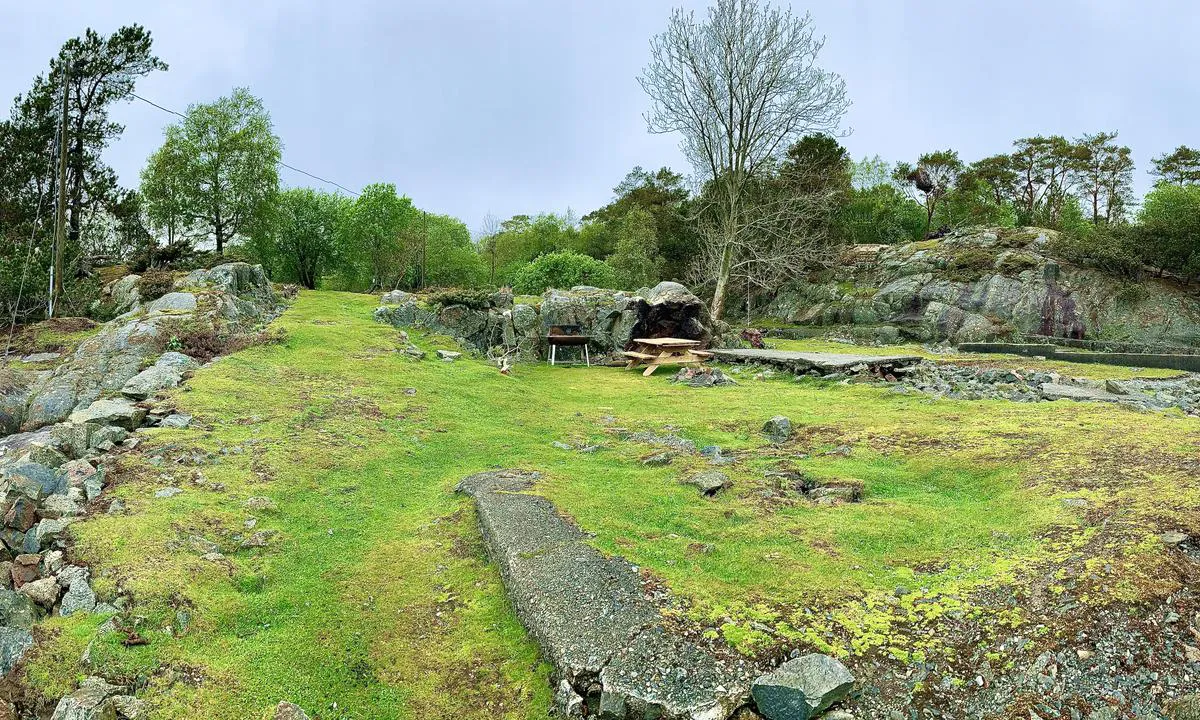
(424, 247)
(60, 215)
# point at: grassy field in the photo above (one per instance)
(373, 598)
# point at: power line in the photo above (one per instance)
(281, 163)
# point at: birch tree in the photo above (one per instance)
(740, 86)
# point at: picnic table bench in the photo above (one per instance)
(653, 352)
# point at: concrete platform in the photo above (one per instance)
(822, 362)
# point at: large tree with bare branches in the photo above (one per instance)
(741, 86)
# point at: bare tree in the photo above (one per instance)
(740, 87)
(488, 231)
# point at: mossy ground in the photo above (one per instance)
(374, 598)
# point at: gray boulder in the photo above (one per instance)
(78, 598)
(173, 303)
(31, 480)
(778, 429)
(801, 688)
(44, 592)
(116, 411)
(92, 701)
(16, 610)
(13, 644)
(289, 711)
(709, 482)
(166, 373)
(395, 297)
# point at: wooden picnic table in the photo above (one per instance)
(653, 352)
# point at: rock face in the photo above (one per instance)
(231, 296)
(983, 284)
(801, 688)
(610, 317)
(614, 656)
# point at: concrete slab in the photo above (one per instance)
(609, 645)
(820, 361)
(1057, 391)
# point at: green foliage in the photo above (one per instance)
(882, 214)
(1111, 249)
(377, 240)
(969, 265)
(474, 299)
(1170, 229)
(665, 197)
(103, 71)
(562, 270)
(636, 263)
(934, 175)
(1181, 167)
(521, 239)
(1015, 263)
(155, 283)
(450, 258)
(216, 173)
(299, 240)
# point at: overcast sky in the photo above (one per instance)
(530, 106)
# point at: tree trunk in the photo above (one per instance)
(718, 301)
(219, 231)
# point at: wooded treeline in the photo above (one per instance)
(772, 194)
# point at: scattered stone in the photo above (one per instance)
(394, 297)
(801, 688)
(259, 539)
(32, 480)
(289, 711)
(129, 707)
(842, 492)
(52, 562)
(78, 598)
(409, 391)
(16, 610)
(1075, 502)
(168, 492)
(709, 482)
(72, 575)
(1172, 537)
(176, 420)
(561, 445)
(414, 352)
(25, 569)
(260, 503)
(778, 429)
(117, 411)
(60, 506)
(702, 377)
(448, 355)
(1060, 391)
(42, 535)
(44, 592)
(658, 459)
(92, 701)
(40, 357)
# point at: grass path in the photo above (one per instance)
(373, 599)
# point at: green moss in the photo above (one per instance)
(376, 593)
(969, 265)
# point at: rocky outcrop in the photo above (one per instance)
(611, 317)
(121, 358)
(983, 284)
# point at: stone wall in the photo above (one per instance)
(611, 317)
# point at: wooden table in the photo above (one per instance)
(653, 352)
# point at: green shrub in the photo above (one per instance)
(474, 299)
(1114, 250)
(1016, 263)
(969, 265)
(562, 270)
(155, 283)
